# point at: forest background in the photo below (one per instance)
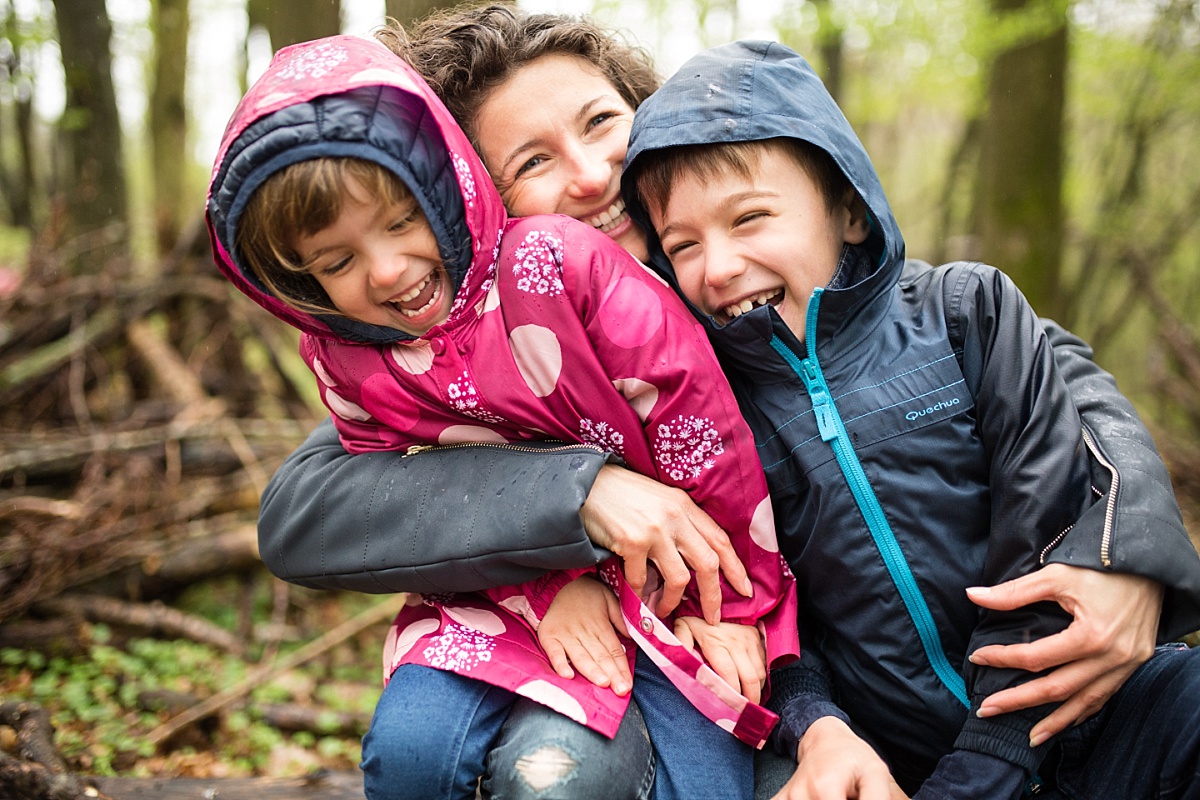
(144, 403)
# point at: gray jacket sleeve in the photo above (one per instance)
(1139, 529)
(443, 520)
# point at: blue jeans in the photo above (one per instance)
(694, 757)
(1143, 745)
(435, 734)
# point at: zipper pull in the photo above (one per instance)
(821, 401)
(418, 448)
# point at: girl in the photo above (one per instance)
(346, 200)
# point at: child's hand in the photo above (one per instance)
(834, 764)
(580, 628)
(734, 651)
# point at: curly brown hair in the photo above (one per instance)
(464, 53)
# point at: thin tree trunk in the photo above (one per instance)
(1018, 208)
(302, 20)
(408, 11)
(168, 121)
(95, 199)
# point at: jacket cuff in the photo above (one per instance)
(1005, 737)
(963, 775)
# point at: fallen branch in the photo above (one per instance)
(321, 721)
(377, 613)
(147, 618)
(40, 773)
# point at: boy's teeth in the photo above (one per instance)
(750, 303)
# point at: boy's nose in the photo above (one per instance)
(721, 265)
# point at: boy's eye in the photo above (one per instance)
(753, 215)
(674, 250)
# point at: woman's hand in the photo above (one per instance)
(734, 651)
(580, 627)
(834, 764)
(640, 519)
(1114, 631)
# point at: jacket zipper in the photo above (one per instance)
(1110, 507)
(833, 431)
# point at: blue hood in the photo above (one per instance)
(750, 91)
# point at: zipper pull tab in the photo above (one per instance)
(822, 403)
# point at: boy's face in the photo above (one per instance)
(739, 242)
(380, 264)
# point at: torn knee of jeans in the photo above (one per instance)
(545, 767)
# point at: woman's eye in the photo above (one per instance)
(536, 161)
(600, 119)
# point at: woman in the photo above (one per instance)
(548, 101)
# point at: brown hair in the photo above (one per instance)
(464, 53)
(658, 170)
(300, 200)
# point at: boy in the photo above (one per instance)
(916, 437)
(348, 202)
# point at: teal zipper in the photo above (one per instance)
(833, 430)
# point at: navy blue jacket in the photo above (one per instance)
(917, 440)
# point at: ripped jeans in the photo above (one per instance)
(435, 734)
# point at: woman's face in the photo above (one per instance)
(553, 137)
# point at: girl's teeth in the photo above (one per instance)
(416, 290)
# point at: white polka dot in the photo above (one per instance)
(409, 636)
(762, 527)
(415, 359)
(344, 408)
(640, 395)
(538, 357)
(519, 604)
(477, 619)
(379, 75)
(468, 433)
(322, 373)
(550, 695)
(492, 301)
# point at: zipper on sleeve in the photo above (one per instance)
(1110, 507)
(416, 449)
(833, 430)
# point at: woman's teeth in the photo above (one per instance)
(610, 218)
(750, 303)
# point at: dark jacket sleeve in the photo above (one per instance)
(1139, 530)
(1039, 481)
(442, 520)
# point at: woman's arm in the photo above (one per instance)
(385, 522)
(443, 520)
(1115, 601)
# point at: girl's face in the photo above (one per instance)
(379, 263)
(553, 137)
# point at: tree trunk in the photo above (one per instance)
(168, 121)
(830, 40)
(1018, 214)
(302, 20)
(407, 12)
(95, 197)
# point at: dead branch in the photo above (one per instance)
(57, 636)
(377, 613)
(321, 721)
(146, 618)
(41, 773)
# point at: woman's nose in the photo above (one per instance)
(590, 173)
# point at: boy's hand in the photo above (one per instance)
(642, 520)
(578, 629)
(734, 651)
(1114, 630)
(834, 764)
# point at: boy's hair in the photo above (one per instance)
(300, 200)
(658, 170)
(465, 53)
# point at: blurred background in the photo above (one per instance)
(144, 403)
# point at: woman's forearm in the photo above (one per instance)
(448, 519)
